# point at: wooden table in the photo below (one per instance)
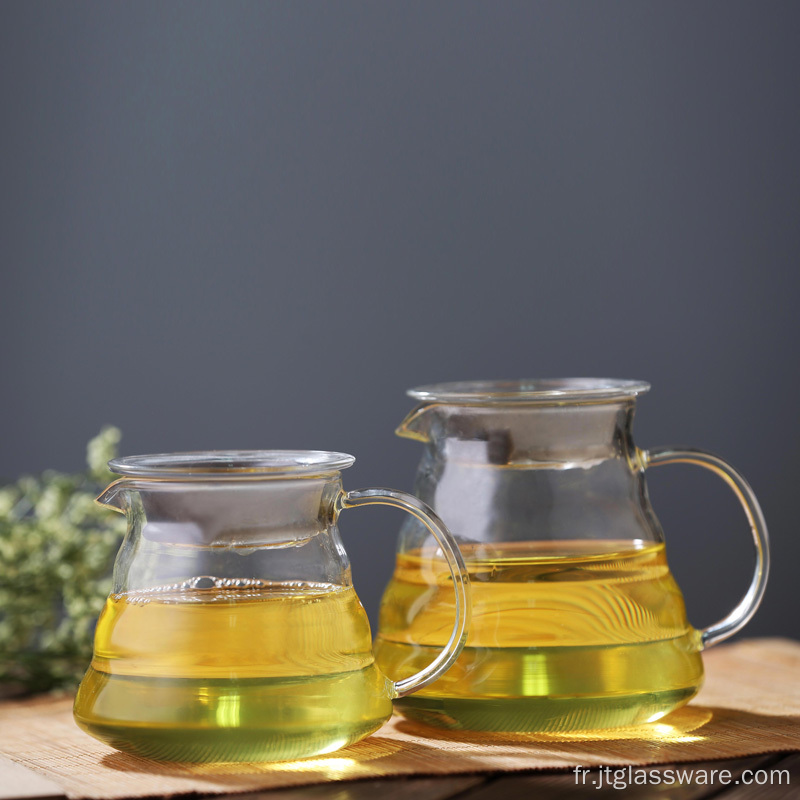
(780, 771)
(752, 688)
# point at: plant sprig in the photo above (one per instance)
(57, 549)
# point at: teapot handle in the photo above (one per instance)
(458, 572)
(741, 488)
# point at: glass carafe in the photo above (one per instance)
(233, 632)
(577, 622)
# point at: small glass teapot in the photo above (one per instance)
(577, 622)
(233, 632)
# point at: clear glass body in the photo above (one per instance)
(577, 622)
(233, 632)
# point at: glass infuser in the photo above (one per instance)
(577, 622)
(233, 632)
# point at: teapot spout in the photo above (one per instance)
(114, 496)
(418, 424)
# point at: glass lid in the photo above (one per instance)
(534, 390)
(232, 464)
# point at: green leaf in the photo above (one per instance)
(57, 551)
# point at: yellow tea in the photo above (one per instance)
(567, 635)
(251, 671)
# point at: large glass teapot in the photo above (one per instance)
(577, 622)
(233, 632)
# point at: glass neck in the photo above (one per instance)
(518, 473)
(231, 514)
(526, 436)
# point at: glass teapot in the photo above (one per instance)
(233, 632)
(577, 622)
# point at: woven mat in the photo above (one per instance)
(749, 705)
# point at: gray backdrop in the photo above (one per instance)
(254, 225)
